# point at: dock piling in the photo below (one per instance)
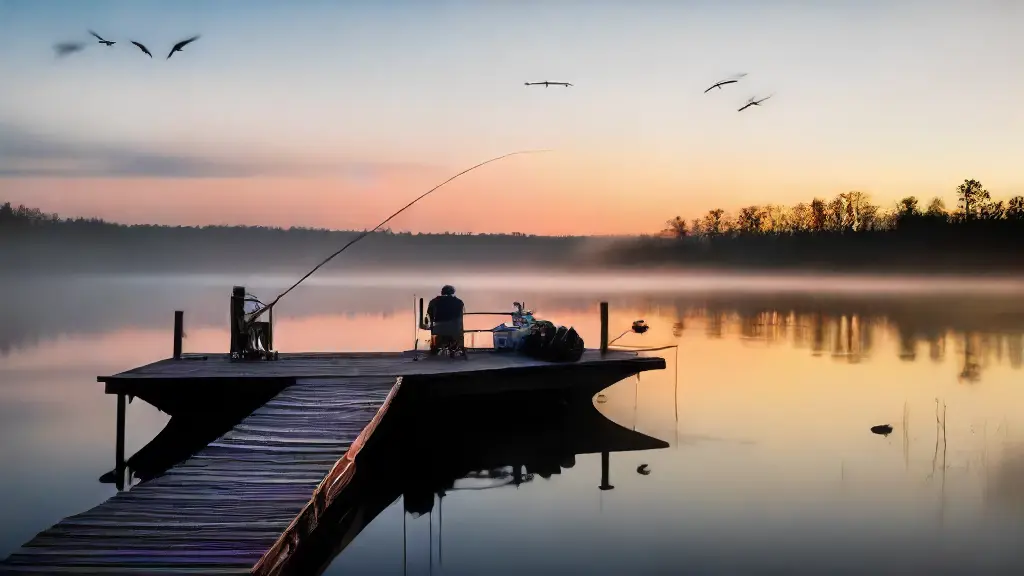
(605, 464)
(119, 443)
(604, 328)
(179, 332)
(237, 316)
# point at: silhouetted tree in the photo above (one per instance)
(676, 228)
(1015, 208)
(971, 197)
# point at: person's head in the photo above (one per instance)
(448, 290)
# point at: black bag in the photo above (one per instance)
(554, 344)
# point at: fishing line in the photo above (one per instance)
(366, 233)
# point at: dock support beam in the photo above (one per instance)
(119, 443)
(179, 332)
(604, 328)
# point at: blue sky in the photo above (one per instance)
(887, 97)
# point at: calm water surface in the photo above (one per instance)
(766, 406)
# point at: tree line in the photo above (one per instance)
(34, 240)
(848, 231)
(851, 212)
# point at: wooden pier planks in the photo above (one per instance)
(221, 510)
(334, 365)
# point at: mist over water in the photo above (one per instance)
(766, 406)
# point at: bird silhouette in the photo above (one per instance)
(720, 84)
(754, 102)
(102, 41)
(730, 80)
(141, 47)
(180, 45)
(883, 429)
(546, 84)
(65, 48)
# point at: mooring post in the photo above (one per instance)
(237, 315)
(119, 442)
(179, 326)
(604, 327)
(605, 458)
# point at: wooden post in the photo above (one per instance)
(237, 318)
(604, 327)
(119, 442)
(179, 321)
(605, 458)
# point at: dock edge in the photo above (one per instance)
(275, 559)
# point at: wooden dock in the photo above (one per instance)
(209, 382)
(221, 510)
(248, 496)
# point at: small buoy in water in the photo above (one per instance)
(601, 398)
(883, 429)
(643, 470)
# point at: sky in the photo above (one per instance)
(334, 113)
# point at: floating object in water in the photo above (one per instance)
(643, 470)
(883, 429)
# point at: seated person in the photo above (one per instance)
(445, 318)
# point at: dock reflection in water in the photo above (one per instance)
(495, 443)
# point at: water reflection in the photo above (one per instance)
(479, 445)
(846, 329)
(978, 328)
(768, 427)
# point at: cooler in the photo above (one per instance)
(505, 337)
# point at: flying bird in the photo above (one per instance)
(730, 80)
(882, 429)
(546, 84)
(180, 45)
(754, 102)
(143, 48)
(65, 48)
(102, 41)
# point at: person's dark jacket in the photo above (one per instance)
(445, 309)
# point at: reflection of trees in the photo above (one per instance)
(1016, 350)
(713, 323)
(845, 329)
(677, 328)
(973, 349)
(937, 347)
(817, 333)
(908, 343)
(852, 341)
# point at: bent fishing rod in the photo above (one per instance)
(366, 233)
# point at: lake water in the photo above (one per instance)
(766, 406)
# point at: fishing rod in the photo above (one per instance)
(366, 233)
